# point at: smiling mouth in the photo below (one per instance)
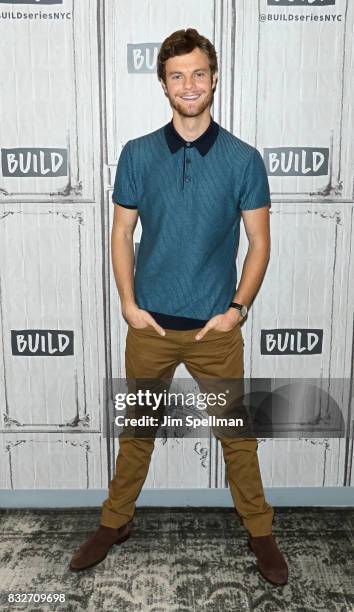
(190, 98)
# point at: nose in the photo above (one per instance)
(188, 83)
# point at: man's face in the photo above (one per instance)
(189, 86)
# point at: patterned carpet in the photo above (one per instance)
(179, 560)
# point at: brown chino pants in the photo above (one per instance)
(218, 354)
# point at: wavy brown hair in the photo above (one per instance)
(181, 42)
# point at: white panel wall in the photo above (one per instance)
(77, 80)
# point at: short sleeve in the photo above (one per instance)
(254, 191)
(124, 192)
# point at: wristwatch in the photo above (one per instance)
(243, 309)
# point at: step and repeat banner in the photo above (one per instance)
(78, 79)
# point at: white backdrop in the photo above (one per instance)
(77, 80)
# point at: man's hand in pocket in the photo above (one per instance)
(140, 318)
(221, 322)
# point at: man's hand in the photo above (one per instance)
(222, 322)
(139, 318)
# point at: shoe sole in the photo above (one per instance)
(265, 577)
(117, 543)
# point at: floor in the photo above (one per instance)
(178, 560)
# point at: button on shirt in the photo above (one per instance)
(189, 196)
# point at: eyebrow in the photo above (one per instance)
(196, 70)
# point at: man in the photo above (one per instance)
(190, 181)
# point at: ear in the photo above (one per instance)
(214, 80)
(163, 86)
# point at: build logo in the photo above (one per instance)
(291, 341)
(296, 161)
(40, 342)
(142, 57)
(42, 161)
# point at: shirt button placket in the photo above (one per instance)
(188, 163)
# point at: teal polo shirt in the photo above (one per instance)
(189, 196)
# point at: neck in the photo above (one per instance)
(190, 128)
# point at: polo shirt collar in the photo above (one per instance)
(203, 143)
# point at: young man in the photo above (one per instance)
(190, 181)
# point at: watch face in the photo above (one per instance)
(243, 311)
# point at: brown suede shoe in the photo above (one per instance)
(271, 562)
(95, 549)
